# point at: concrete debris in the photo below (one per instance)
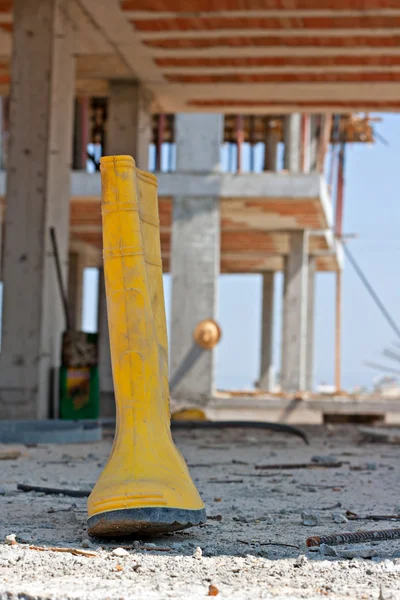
(310, 519)
(380, 434)
(10, 539)
(198, 553)
(339, 518)
(326, 550)
(120, 552)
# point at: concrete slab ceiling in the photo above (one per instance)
(236, 56)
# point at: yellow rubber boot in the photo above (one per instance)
(145, 487)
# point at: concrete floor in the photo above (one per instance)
(239, 555)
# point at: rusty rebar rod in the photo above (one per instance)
(353, 538)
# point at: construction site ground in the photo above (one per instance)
(253, 544)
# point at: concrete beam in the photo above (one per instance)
(223, 185)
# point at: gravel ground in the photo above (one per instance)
(253, 514)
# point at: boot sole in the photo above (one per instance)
(146, 521)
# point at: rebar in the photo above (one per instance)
(353, 538)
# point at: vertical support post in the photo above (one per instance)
(271, 144)
(292, 137)
(38, 191)
(239, 141)
(266, 379)
(81, 133)
(76, 267)
(305, 143)
(338, 299)
(310, 323)
(160, 139)
(324, 139)
(294, 334)
(129, 129)
(195, 257)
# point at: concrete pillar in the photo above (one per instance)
(310, 323)
(107, 403)
(38, 189)
(76, 267)
(81, 133)
(294, 334)
(292, 140)
(128, 132)
(129, 121)
(266, 380)
(271, 145)
(195, 258)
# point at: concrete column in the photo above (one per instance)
(310, 323)
(271, 145)
(107, 403)
(76, 267)
(81, 133)
(129, 121)
(38, 189)
(128, 132)
(294, 334)
(292, 140)
(195, 258)
(266, 380)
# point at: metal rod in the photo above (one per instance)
(382, 368)
(371, 291)
(353, 538)
(239, 142)
(59, 278)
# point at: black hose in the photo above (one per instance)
(280, 427)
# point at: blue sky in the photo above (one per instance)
(372, 211)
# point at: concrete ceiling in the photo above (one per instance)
(237, 55)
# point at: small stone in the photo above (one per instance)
(86, 543)
(10, 539)
(136, 544)
(120, 552)
(300, 561)
(198, 553)
(326, 550)
(310, 519)
(339, 518)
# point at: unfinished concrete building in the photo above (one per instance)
(150, 72)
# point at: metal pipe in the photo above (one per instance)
(239, 142)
